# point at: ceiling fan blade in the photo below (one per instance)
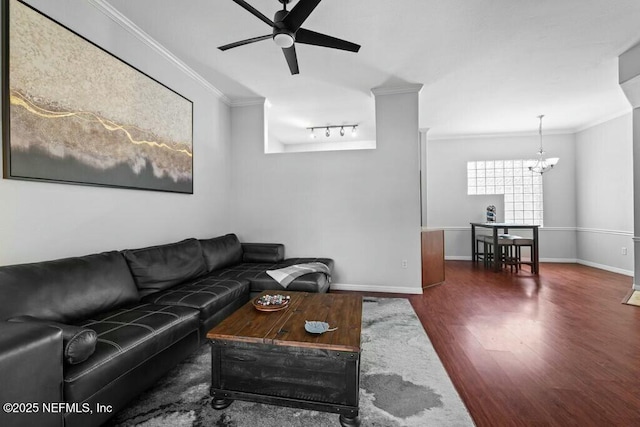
(318, 39)
(255, 12)
(299, 14)
(292, 58)
(243, 42)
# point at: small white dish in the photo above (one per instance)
(316, 327)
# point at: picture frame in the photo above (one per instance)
(74, 113)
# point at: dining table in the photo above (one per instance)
(498, 228)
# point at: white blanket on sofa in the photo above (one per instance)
(286, 275)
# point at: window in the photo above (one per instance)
(522, 188)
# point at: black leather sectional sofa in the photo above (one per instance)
(80, 337)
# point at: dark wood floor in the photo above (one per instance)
(558, 349)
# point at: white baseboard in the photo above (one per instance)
(606, 267)
(560, 260)
(376, 288)
(468, 258)
(418, 291)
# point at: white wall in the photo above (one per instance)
(449, 207)
(604, 195)
(40, 221)
(361, 208)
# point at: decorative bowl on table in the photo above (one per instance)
(271, 302)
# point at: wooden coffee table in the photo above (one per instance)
(268, 357)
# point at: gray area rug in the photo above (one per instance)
(402, 383)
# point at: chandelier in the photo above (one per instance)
(543, 165)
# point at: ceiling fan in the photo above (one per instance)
(286, 31)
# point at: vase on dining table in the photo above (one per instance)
(491, 213)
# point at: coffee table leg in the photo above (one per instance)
(350, 421)
(221, 403)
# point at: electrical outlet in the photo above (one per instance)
(404, 263)
(624, 251)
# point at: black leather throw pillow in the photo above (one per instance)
(79, 343)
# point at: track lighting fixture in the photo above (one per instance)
(327, 132)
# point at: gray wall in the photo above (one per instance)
(588, 197)
(360, 207)
(604, 195)
(449, 207)
(40, 221)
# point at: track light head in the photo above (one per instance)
(327, 130)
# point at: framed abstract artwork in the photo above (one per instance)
(74, 113)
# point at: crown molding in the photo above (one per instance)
(574, 131)
(631, 89)
(247, 102)
(395, 90)
(501, 135)
(117, 17)
(605, 119)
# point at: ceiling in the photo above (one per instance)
(487, 66)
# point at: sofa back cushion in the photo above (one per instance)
(221, 252)
(67, 289)
(160, 267)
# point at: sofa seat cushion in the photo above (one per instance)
(206, 294)
(261, 281)
(126, 339)
(160, 267)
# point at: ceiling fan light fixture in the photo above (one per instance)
(287, 27)
(283, 40)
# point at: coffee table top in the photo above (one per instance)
(286, 327)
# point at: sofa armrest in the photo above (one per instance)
(262, 252)
(31, 372)
(78, 343)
